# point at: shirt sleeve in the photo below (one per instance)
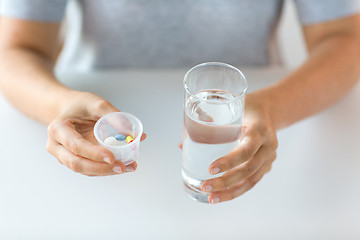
(37, 10)
(315, 11)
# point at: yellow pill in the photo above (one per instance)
(129, 139)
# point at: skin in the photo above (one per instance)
(28, 52)
(333, 67)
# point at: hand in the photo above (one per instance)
(72, 142)
(250, 161)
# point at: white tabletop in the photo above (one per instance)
(313, 191)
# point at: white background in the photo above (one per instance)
(312, 191)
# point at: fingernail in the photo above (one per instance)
(215, 170)
(106, 159)
(215, 200)
(117, 169)
(208, 188)
(129, 169)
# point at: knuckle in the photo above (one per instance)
(229, 179)
(222, 183)
(232, 196)
(255, 136)
(225, 164)
(260, 130)
(74, 165)
(101, 170)
(73, 146)
(268, 129)
(51, 129)
(49, 147)
(249, 169)
(274, 157)
(232, 179)
(60, 161)
(101, 104)
(274, 142)
(263, 130)
(252, 181)
(247, 153)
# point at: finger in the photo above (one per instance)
(143, 137)
(121, 126)
(104, 107)
(85, 166)
(67, 136)
(51, 147)
(236, 175)
(203, 116)
(247, 148)
(239, 190)
(131, 167)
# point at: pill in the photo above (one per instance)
(120, 137)
(129, 139)
(111, 141)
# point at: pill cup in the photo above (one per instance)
(120, 123)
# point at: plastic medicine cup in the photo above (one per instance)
(120, 123)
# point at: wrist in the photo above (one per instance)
(66, 99)
(259, 105)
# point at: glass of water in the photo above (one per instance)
(213, 113)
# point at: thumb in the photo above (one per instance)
(105, 107)
(120, 124)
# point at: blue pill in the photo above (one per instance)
(120, 137)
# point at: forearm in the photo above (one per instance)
(331, 70)
(28, 82)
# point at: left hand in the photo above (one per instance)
(250, 161)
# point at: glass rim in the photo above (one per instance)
(237, 96)
(119, 113)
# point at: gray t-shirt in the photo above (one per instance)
(173, 33)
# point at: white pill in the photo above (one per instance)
(111, 141)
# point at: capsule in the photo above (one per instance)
(120, 137)
(129, 139)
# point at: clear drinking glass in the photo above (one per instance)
(213, 113)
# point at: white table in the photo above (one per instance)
(313, 191)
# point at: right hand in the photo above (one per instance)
(72, 142)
